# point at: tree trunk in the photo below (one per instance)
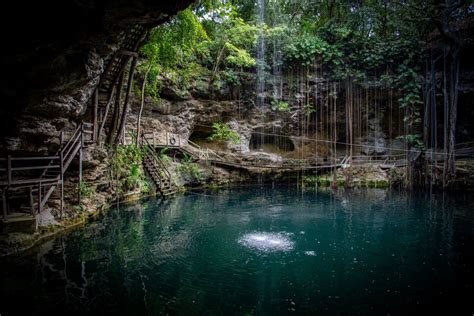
(216, 65)
(142, 101)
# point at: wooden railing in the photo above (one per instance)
(150, 149)
(198, 152)
(385, 160)
(15, 165)
(43, 173)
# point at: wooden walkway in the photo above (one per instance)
(199, 153)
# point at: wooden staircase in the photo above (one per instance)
(107, 88)
(158, 171)
(35, 180)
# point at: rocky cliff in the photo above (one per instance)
(55, 52)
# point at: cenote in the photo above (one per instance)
(256, 250)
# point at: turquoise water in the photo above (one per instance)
(256, 251)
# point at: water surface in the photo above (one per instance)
(256, 251)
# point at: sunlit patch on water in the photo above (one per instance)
(310, 253)
(267, 242)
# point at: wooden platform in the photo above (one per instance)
(18, 222)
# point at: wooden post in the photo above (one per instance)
(80, 171)
(95, 101)
(122, 125)
(106, 111)
(61, 184)
(61, 139)
(81, 138)
(9, 169)
(32, 203)
(80, 174)
(4, 198)
(39, 197)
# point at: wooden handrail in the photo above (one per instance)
(35, 168)
(29, 181)
(151, 150)
(73, 139)
(34, 158)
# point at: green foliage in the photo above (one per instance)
(239, 57)
(230, 76)
(164, 156)
(307, 48)
(372, 43)
(85, 189)
(280, 106)
(191, 169)
(222, 133)
(187, 158)
(171, 43)
(410, 84)
(169, 48)
(126, 169)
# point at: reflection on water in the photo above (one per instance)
(255, 250)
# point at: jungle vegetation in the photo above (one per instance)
(381, 44)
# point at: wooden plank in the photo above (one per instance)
(9, 169)
(129, 53)
(34, 158)
(71, 148)
(35, 168)
(39, 197)
(80, 175)
(95, 104)
(4, 200)
(32, 204)
(107, 108)
(47, 195)
(61, 180)
(71, 156)
(27, 182)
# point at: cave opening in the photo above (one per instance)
(200, 136)
(271, 142)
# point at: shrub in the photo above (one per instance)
(85, 189)
(222, 133)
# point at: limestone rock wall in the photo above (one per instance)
(54, 54)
